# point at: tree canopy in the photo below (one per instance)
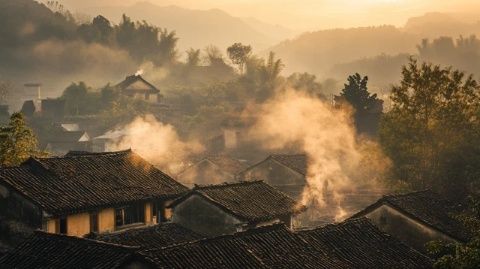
(432, 131)
(18, 142)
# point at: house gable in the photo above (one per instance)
(202, 216)
(404, 227)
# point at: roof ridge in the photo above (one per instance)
(226, 184)
(63, 236)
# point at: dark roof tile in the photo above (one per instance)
(78, 182)
(247, 200)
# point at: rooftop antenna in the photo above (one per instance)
(35, 85)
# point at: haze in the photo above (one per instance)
(312, 14)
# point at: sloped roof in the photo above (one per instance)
(296, 162)
(226, 163)
(44, 250)
(68, 137)
(361, 245)
(266, 247)
(124, 85)
(82, 181)
(426, 207)
(157, 236)
(247, 200)
(352, 244)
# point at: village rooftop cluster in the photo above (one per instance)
(116, 210)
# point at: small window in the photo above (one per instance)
(63, 225)
(118, 217)
(94, 222)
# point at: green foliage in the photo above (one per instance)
(357, 95)
(460, 255)
(432, 131)
(239, 54)
(367, 107)
(18, 142)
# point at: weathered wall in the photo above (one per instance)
(406, 229)
(14, 206)
(106, 220)
(78, 224)
(51, 226)
(203, 217)
(279, 176)
(148, 213)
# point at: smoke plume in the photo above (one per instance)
(338, 161)
(158, 143)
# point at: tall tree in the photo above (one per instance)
(193, 57)
(367, 107)
(239, 54)
(18, 142)
(432, 131)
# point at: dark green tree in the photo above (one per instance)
(18, 142)
(432, 131)
(239, 54)
(367, 107)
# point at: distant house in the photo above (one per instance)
(44, 250)
(352, 244)
(101, 143)
(155, 236)
(62, 141)
(231, 207)
(136, 86)
(285, 172)
(416, 218)
(52, 108)
(86, 192)
(211, 170)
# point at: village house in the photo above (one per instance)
(137, 87)
(51, 108)
(285, 172)
(232, 207)
(211, 170)
(417, 218)
(45, 250)
(67, 137)
(83, 192)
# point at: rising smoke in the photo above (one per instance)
(338, 161)
(158, 143)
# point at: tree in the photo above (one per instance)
(18, 142)
(238, 54)
(193, 57)
(460, 255)
(214, 56)
(432, 131)
(305, 82)
(75, 97)
(367, 107)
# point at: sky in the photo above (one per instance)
(313, 14)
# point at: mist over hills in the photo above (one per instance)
(199, 28)
(380, 51)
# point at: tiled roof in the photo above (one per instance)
(134, 78)
(228, 164)
(44, 250)
(266, 247)
(296, 162)
(208, 253)
(82, 181)
(428, 208)
(353, 244)
(250, 201)
(157, 236)
(361, 245)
